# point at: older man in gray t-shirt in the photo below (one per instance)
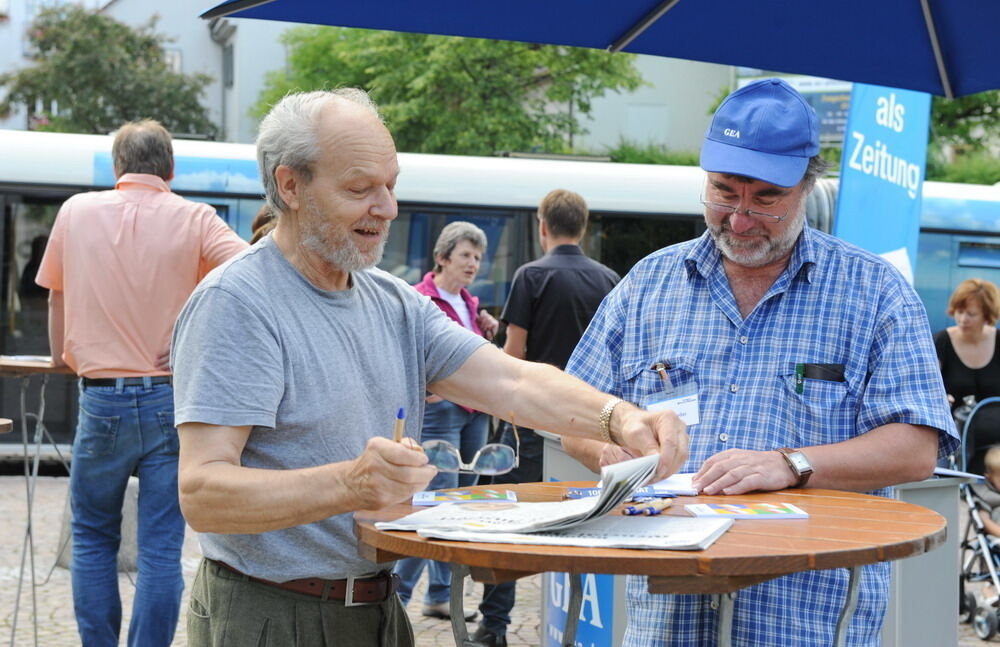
(319, 373)
(290, 363)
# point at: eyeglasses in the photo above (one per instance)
(723, 209)
(491, 459)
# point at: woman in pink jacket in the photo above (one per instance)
(458, 253)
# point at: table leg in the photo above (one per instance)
(849, 605)
(725, 606)
(30, 480)
(456, 606)
(573, 612)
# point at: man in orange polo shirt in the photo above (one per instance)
(120, 265)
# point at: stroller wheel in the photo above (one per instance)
(985, 622)
(967, 607)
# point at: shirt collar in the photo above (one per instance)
(704, 257)
(567, 249)
(154, 182)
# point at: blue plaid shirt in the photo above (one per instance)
(833, 304)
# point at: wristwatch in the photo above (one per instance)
(798, 463)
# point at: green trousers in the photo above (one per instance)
(227, 610)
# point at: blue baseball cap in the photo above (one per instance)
(764, 130)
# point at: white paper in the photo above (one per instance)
(679, 484)
(685, 406)
(611, 531)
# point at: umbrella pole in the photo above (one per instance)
(936, 46)
(636, 30)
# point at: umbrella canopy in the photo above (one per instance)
(945, 47)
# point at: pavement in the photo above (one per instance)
(54, 599)
(57, 626)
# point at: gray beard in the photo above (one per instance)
(757, 254)
(335, 246)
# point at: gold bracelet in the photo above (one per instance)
(604, 419)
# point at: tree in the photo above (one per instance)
(965, 122)
(102, 73)
(442, 94)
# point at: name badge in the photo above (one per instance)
(682, 400)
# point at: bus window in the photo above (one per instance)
(979, 255)
(28, 222)
(620, 241)
(409, 252)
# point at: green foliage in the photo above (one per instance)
(633, 153)
(102, 73)
(456, 95)
(965, 122)
(980, 167)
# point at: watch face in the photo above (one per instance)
(800, 462)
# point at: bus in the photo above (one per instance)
(635, 209)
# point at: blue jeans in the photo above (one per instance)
(443, 421)
(498, 599)
(124, 430)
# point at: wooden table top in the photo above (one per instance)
(20, 366)
(844, 529)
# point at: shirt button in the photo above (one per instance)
(723, 437)
(744, 339)
(733, 388)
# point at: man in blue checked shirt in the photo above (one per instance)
(808, 361)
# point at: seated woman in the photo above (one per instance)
(457, 254)
(970, 361)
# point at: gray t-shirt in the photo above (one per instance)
(316, 374)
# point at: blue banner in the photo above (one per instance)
(595, 627)
(882, 173)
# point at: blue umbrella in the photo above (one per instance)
(945, 47)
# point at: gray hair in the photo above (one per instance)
(817, 167)
(452, 235)
(143, 147)
(288, 135)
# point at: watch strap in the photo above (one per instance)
(803, 476)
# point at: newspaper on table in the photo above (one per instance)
(617, 484)
(660, 532)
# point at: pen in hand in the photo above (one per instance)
(397, 432)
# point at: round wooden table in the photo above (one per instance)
(844, 530)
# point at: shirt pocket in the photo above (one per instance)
(640, 379)
(824, 412)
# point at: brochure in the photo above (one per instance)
(610, 531)
(462, 496)
(618, 482)
(747, 510)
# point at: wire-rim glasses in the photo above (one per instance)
(490, 460)
(723, 209)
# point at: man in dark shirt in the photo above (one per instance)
(551, 302)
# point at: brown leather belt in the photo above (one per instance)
(352, 591)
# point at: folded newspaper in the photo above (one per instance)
(617, 484)
(576, 522)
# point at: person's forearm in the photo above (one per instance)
(225, 498)
(56, 327)
(887, 455)
(588, 452)
(538, 396)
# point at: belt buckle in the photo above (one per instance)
(349, 592)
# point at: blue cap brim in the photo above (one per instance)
(781, 170)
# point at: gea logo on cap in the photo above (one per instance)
(731, 132)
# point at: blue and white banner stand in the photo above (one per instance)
(882, 173)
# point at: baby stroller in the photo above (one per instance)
(980, 561)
